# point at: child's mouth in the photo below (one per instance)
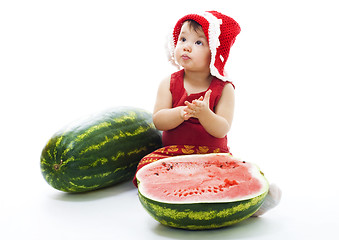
(185, 57)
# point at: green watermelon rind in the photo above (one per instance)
(100, 150)
(202, 216)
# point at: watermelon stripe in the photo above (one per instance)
(96, 146)
(49, 153)
(132, 116)
(136, 151)
(203, 227)
(58, 141)
(125, 167)
(115, 138)
(64, 153)
(118, 156)
(72, 158)
(75, 186)
(94, 164)
(101, 175)
(91, 130)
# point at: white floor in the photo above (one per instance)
(116, 213)
(63, 59)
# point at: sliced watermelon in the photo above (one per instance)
(201, 191)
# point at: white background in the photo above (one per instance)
(60, 60)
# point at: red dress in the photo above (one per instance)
(191, 132)
(189, 137)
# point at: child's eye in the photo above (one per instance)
(183, 39)
(198, 43)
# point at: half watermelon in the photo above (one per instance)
(202, 191)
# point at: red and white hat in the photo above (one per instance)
(220, 31)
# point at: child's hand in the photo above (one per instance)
(198, 107)
(183, 113)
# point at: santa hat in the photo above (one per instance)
(220, 31)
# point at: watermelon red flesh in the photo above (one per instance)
(201, 178)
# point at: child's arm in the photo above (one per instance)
(164, 116)
(219, 123)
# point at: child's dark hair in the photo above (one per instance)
(194, 25)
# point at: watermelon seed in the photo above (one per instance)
(244, 161)
(156, 174)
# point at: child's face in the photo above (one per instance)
(192, 51)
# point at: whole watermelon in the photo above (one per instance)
(100, 150)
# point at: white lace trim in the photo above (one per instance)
(214, 33)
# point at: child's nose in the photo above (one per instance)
(187, 47)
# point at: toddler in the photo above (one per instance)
(194, 106)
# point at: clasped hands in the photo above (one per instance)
(197, 107)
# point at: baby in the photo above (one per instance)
(194, 106)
